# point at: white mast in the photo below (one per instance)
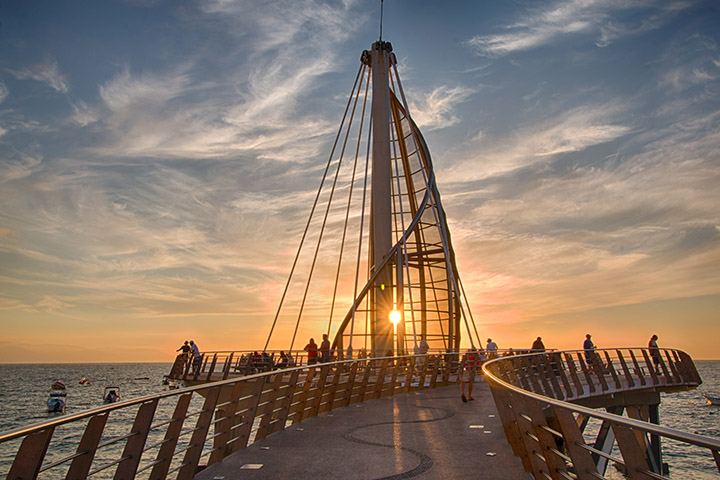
(382, 241)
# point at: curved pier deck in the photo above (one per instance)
(392, 417)
(429, 434)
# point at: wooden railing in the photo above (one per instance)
(540, 400)
(178, 432)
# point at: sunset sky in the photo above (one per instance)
(156, 155)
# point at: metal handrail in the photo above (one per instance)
(493, 371)
(208, 417)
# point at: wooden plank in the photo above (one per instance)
(228, 366)
(224, 421)
(650, 367)
(557, 364)
(553, 372)
(435, 370)
(573, 440)
(409, 373)
(633, 452)
(80, 466)
(197, 440)
(30, 455)
(509, 423)
(132, 453)
(240, 440)
(212, 368)
(573, 374)
(526, 364)
(350, 384)
(555, 464)
(626, 370)
(599, 371)
(267, 405)
(537, 462)
(676, 375)
(638, 370)
(172, 435)
(581, 361)
(538, 372)
(611, 367)
(285, 403)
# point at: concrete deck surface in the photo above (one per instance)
(427, 435)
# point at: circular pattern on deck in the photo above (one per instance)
(426, 462)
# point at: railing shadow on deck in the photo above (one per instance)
(540, 400)
(176, 434)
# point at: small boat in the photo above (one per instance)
(111, 395)
(58, 396)
(142, 378)
(84, 381)
(711, 400)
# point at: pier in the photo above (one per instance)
(384, 402)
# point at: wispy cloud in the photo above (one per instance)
(4, 92)
(437, 109)
(597, 18)
(572, 131)
(253, 107)
(48, 73)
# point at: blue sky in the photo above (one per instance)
(158, 161)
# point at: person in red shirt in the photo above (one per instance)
(467, 375)
(312, 350)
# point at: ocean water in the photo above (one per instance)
(24, 391)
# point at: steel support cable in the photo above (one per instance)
(360, 238)
(312, 211)
(472, 319)
(320, 238)
(350, 194)
(402, 225)
(437, 211)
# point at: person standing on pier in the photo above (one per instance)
(589, 348)
(197, 358)
(325, 349)
(312, 350)
(491, 348)
(467, 375)
(654, 352)
(185, 351)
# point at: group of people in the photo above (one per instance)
(312, 349)
(594, 362)
(191, 352)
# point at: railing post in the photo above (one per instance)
(80, 466)
(626, 370)
(172, 435)
(284, 411)
(573, 374)
(638, 370)
(212, 368)
(582, 460)
(133, 451)
(30, 455)
(228, 366)
(267, 406)
(197, 441)
(651, 367)
(634, 453)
